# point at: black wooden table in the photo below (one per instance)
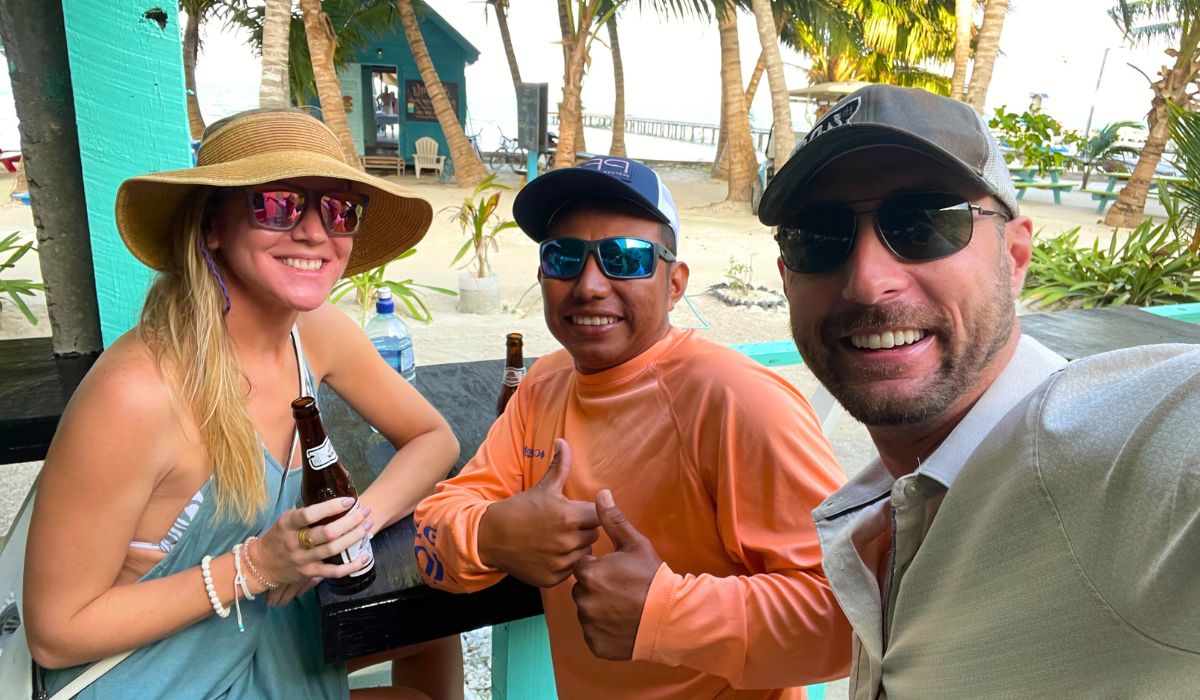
(397, 608)
(34, 389)
(1082, 332)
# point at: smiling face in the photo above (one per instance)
(293, 269)
(604, 322)
(907, 343)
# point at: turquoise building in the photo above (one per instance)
(390, 109)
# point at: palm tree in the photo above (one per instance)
(1103, 148)
(197, 11)
(964, 26)
(277, 23)
(565, 34)
(322, 43)
(583, 24)
(468, 168)
(986, 50)
(781, 109)
(501, 8)
(355, 24)
(881, 43)
(1143, 20)
(617, 148)
(1185, 128)
(740, 148)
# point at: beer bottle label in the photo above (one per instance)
(513, 376)
(358, 549)
(322, 455)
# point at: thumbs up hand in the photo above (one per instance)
(610, 591)
(539, 534)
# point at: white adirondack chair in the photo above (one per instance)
(426, 156)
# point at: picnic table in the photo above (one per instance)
(1111, 192)
(1027, 178)
(10, 159)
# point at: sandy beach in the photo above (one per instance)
(713, 233)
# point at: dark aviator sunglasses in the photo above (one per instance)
(915, 226)
(620, 258)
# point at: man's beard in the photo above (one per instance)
(958, 372)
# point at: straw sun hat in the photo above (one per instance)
(263, 146)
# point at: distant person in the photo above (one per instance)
(175, 466)
(1030, 528)
(656, 486)
(387, 102)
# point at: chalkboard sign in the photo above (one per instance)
(419, 107)
(531, 116)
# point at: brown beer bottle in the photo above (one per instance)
(514, 370)
(325, 478)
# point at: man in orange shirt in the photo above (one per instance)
(706, 577)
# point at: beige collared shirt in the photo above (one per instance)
(1064, 560)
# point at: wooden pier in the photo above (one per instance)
(690, 132)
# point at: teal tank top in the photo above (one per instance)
(279, 655)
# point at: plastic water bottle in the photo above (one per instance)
(391, 336)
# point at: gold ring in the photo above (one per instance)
(305, 541)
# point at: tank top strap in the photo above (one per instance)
(307, 388)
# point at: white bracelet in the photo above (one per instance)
(240, 577)
(219, 609)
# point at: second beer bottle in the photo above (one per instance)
(514, 370)
(325, 478)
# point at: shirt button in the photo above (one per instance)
(912, 489)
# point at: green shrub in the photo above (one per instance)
(1152, 266)
(16, 288)
(1032, 135)
(364, 285)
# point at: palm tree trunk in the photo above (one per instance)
(501, 8)
(570, 115)
(737, 120)
(191, 47)
(964, 17)
(568, 43)
(468, 169)
(985, 52)
(755, 78)
(781, 111)
(1128, 210)
(35, 45)
(321, 45)
(618, 125)
(275, 87)
(720, 166)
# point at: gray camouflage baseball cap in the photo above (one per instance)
(885, 115)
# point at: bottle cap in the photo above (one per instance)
(383, 301)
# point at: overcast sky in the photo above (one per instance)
(672, 67)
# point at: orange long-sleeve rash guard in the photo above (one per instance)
(719, 462)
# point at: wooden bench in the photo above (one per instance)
(384, 162)
(1056, 188)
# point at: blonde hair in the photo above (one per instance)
(183, 323)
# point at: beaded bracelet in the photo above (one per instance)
(254, 569)
(219, 609)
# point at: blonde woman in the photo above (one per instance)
(168, 497)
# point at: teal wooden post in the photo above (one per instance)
(521, 666)
(127, 74)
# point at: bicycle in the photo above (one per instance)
(510, 154)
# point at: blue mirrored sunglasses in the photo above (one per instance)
(621, 258)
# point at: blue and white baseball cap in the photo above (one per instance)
(602, 176)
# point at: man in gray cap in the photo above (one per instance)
(1029, 528)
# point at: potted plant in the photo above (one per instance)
(478, 287)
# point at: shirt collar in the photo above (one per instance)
(1031, 364)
